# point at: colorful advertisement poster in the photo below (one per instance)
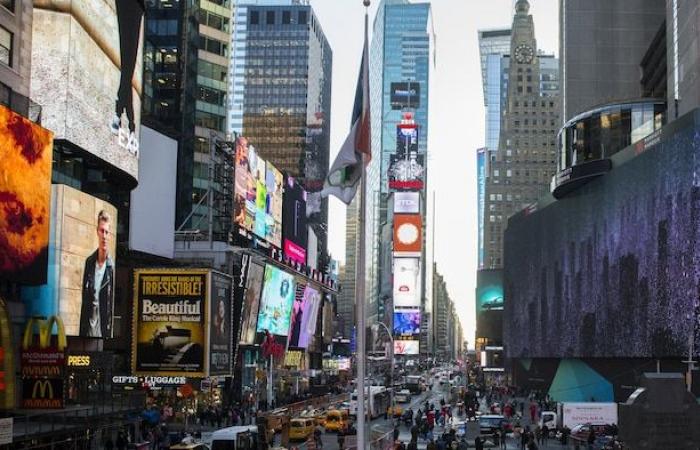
(406, 323)
(407, 284)
(304, 316)
(244, 188)
(489, 290)
(481, 200)
(407, 172)
(26, 152)
(405, 347)
(274, 182)
(276, 302)
(406, 140)
(220, 325)
(170, 323)
(408, 234)
(87, 75)
(82, 265)
(405, 95)
(294, 225)
(251, 303)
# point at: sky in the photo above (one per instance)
(456, 120)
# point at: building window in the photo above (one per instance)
(8, 4)
(302, 18)
(270, 18)
(5, 46)
(286, 17)
(254, 18)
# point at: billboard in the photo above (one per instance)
(406, 202)
(407, 172)
(276, 301)
(489, 290)
(82, 265)
(407, 283)
(251, 303)
(408, 233)
(152, 209)
(170, 323)
(406, 140)
(622, 250)
(258, 194)
(220, 324)
(481, 200)
(87, 75)
(26, 151)
(405, 95)
(406, 323)
(406, 347)
(304, 316)
(294, 224)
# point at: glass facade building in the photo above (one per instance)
(493, 45)
(186, 59)
(280, 90)
(401, 51)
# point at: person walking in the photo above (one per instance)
(545, 435)
(478, 443)
(591, 439)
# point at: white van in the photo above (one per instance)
(235, 438)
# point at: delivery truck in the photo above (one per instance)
(571, 414)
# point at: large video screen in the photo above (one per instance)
(489, 290)
(611, 270)
(406, 347)
(25, 190)
(407, 322)
(87, 75)
(407, 282)
(304, 316)
(220, 323)
(294, 224)
(276, 302)
(251, 303)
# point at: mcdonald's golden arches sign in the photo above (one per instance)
(43, 364)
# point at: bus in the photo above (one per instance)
(378, 402)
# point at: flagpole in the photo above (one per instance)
(360, 289)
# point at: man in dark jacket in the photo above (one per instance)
(98, 285)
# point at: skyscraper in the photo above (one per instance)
(521, 170)
(400, 59)
(186, 58)
(280, 91)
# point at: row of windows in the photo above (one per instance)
(211, 70)
(208, 120)
(213, 96)
(213, 46)
(213, 20)
(543, 103)
(5, 46)
(301, 18)
(534, 122)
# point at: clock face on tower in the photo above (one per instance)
(524, 54)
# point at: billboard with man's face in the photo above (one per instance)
(87, 76)
(25, 191)
(82, 265)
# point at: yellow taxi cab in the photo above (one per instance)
(336, 420)
(396, 411)
(301, 428)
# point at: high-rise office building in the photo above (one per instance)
(520, 171)
(401, 55)
(186, 59)
(280, 90)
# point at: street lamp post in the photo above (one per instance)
(391, 392)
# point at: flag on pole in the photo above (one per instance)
(344, 177)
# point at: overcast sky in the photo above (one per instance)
(456, 127)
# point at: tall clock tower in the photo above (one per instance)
(520, 171)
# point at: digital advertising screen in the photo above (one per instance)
(407, 172)
(406, 322)
(304, 316)
(220, 324)
(251, 303)
(26, 152)
(258, 170)
(406, 347)
(244, 188)
(81, 265)
(294, 224)
(170, 323)
(274, 182)
(405, 95)
(489, 290)
(406, 202)
(407, 283)
(406, 140)
(87, 75)
(481, 200)
(276, 301)
(408, 233)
